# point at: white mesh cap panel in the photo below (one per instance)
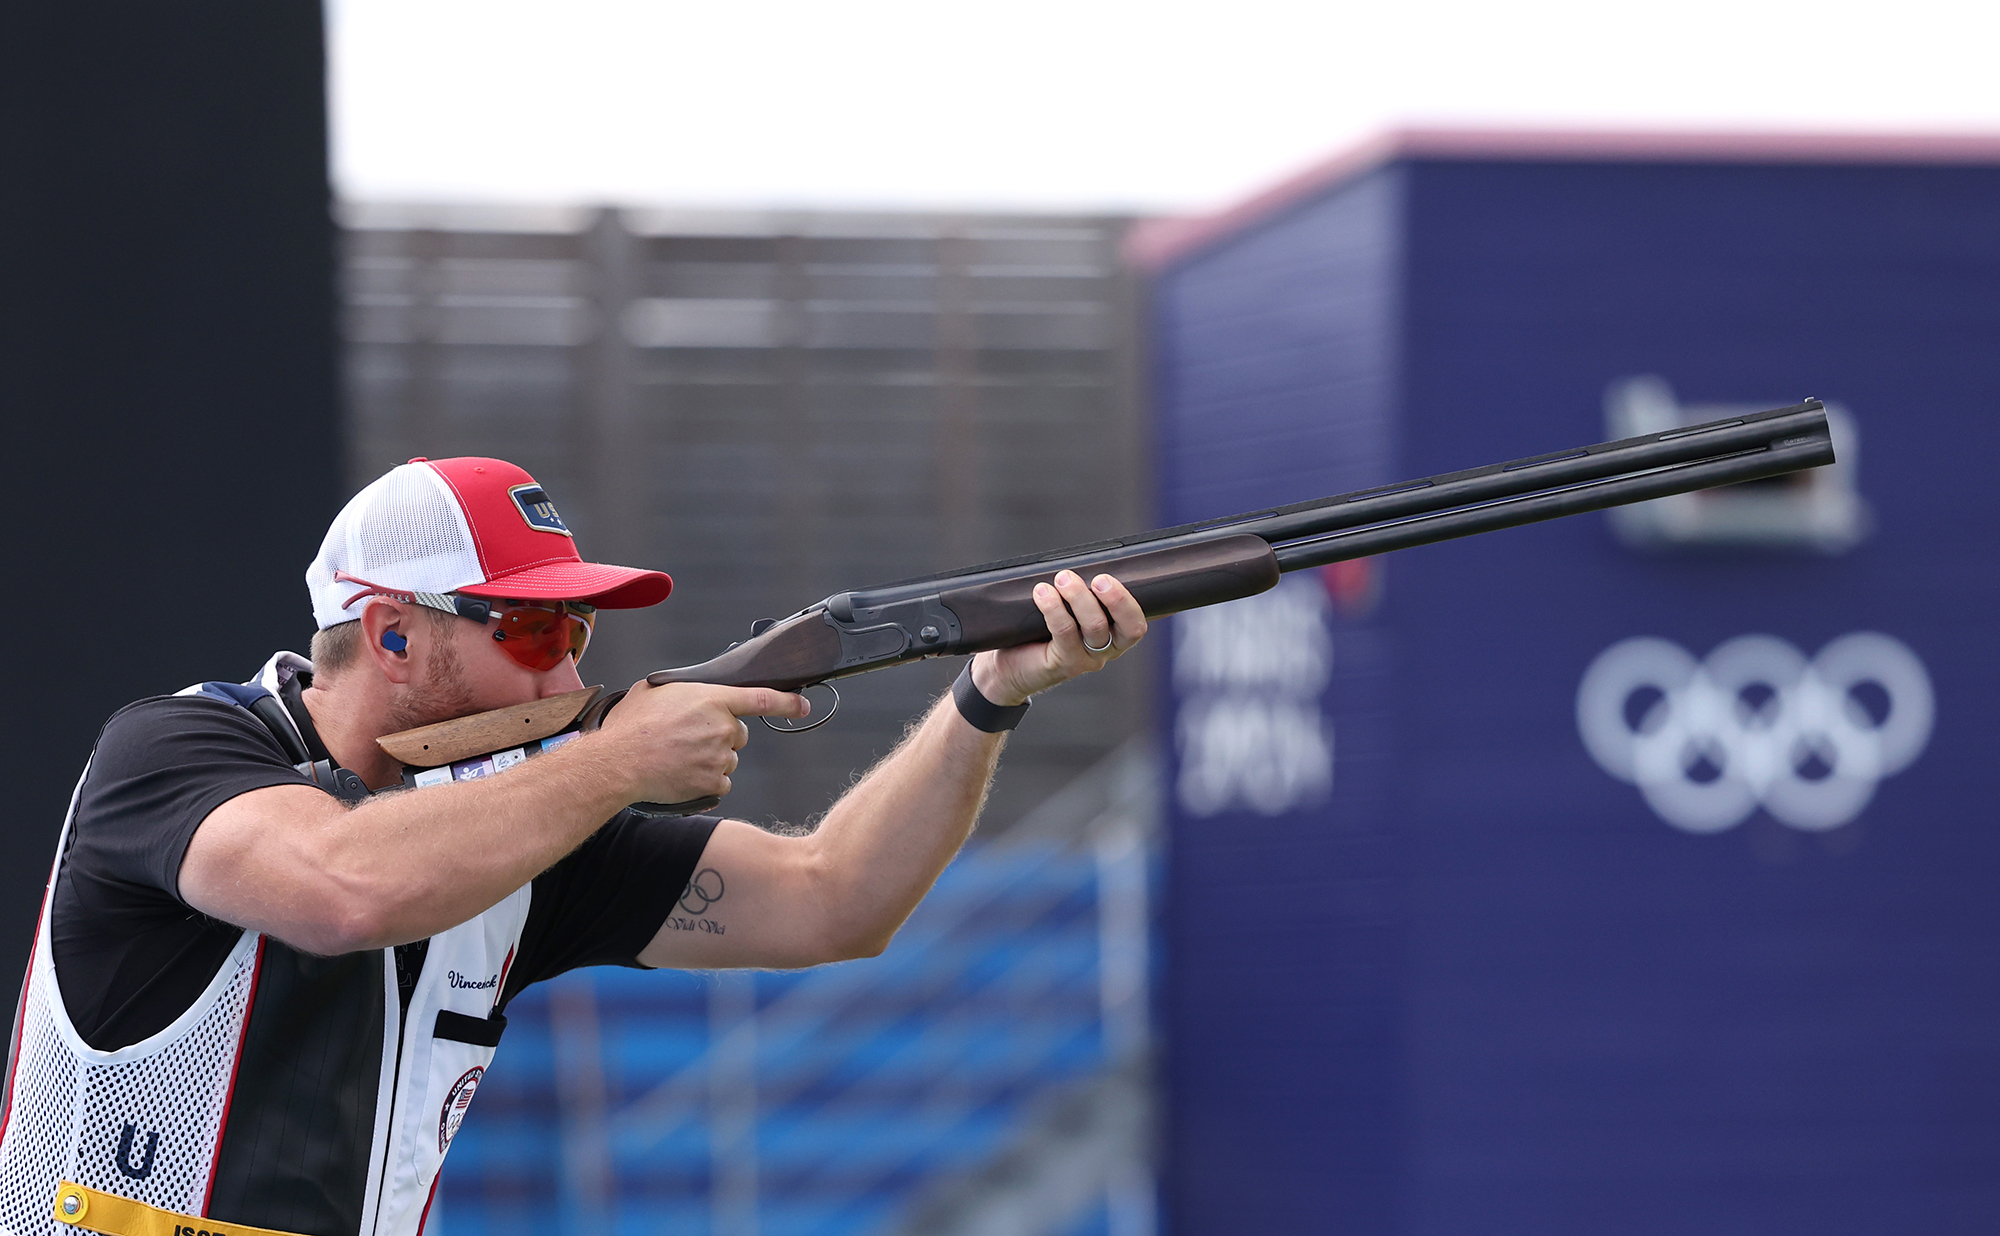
(405, 530)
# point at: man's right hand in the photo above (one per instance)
(679, 742)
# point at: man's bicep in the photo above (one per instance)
(248, 862)
(751, 902)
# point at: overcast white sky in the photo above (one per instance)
(1084, 104)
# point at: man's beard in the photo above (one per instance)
(441, 696)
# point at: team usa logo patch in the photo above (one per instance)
(536, 508)
(456, 1100)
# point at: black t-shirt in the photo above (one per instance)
(131, 956)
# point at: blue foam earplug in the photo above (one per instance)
(394, 642)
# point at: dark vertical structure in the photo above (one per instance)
(1439, 961)
(167, 375)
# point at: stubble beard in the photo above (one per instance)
(442, 695)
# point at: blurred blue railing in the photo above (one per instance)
(987, 1073)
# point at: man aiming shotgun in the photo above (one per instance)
(278, 1005)
(275, 1006)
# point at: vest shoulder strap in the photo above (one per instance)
(291, 726)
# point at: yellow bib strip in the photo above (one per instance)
(85, 1207)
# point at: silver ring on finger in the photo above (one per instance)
(1108, 641)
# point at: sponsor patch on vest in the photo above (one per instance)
(537, 509)
(456, 1100)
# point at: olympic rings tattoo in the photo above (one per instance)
(703, 891)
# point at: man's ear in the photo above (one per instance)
(388, 629)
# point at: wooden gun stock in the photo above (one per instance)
(448, 742)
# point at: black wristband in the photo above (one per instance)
(981, 713)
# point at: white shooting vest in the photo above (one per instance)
(152, 1121)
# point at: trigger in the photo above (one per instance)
(762, 625)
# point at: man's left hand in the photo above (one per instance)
(844, 890)
(1090, 626)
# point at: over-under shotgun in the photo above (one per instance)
(1167, 570)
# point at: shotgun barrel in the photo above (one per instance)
(1588, 478)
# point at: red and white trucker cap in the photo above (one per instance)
(478, 526)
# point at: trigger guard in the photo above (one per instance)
(592, 717)
(817, 721)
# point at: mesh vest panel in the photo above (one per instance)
(141, 1122)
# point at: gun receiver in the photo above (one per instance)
(1168, 570)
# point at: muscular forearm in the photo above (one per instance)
(399, 867)
(430, 859)
(843, 891)
(882, 846)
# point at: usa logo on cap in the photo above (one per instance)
(536, 508)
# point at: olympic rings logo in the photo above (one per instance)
(1756, 724)
(702, 891)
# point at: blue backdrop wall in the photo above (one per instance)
(1511, 888)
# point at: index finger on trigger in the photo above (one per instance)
(765, 702)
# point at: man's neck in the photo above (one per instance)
(349, 723)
